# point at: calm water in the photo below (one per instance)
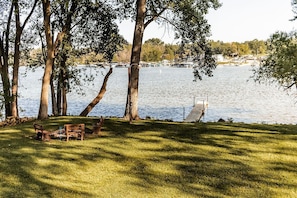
(169, 93)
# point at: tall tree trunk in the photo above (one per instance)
(43, 108)
(59, 93)
(96, 100)
(4, 47)
(64, 80)
(53, 94)
(16, 64)
(131, 112)
(54, 101)
(6, 87)
(15, 75)
(64, 101)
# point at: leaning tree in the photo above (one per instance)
(187, 20)
(80, 24)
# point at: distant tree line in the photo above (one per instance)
(155, 50)
(254, 47)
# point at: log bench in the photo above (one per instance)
(74, 130)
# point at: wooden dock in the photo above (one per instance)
(197, 112)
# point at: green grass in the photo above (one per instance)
(151, 159)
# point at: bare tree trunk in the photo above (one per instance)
(64, 93)
(16, 64)
(63, 82)
(59, 94)
(6, 86)
(132, 98)
(15, 76)
(4, 47)
(96, 100)
(43, 108)
(55, 107)
(54, 101)
(128, 101)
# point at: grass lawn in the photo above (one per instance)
(151, 159)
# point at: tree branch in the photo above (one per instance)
(29, 15)
(8, 31)
(290, 86)
(155, 17)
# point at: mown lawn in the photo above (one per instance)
(151, 159)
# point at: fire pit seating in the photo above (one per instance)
(41, 134)
(74, 130)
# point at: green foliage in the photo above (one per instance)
(92, 26)
(280, 64)
(170, 50)
(254, 47)
(154, 41)
(90, 36)
(152, 52)
(187, 20)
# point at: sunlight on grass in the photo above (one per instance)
(151, 159)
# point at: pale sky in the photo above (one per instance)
(236, 20)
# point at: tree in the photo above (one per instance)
(257, 47)
(85, 24)
(4, 53)
(131, 111)
(152, 52)
(280, 64)
(43, 107)
(97, 99)
(188, 21)
(16, 61)
(169, 53)
(15, 8)
(154, 41)
(123, 55)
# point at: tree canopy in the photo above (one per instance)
(187, 20)
(280, 65)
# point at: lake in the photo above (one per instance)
(169, 93)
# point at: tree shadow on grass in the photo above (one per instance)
(22, 158)
(213, 159)
(195, 160)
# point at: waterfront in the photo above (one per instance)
(168, 93)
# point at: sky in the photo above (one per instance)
(235, 21)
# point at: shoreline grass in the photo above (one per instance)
(151, 159)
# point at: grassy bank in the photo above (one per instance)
(151, 159)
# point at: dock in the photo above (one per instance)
(197, 112)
